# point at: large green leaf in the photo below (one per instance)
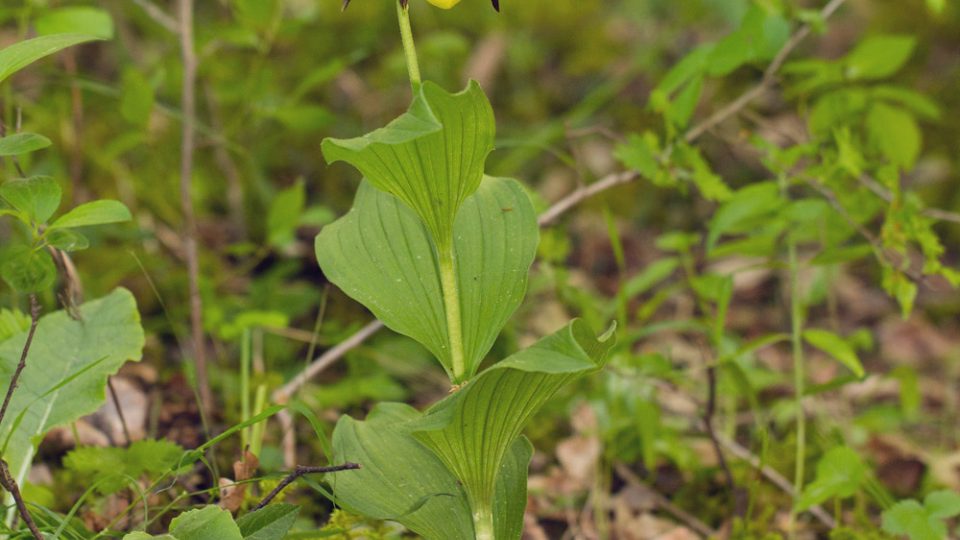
(431, 157)
(22, 143)
(93, 213)
(381, 255)
(66, 371)
(268, 523)
(22, 54)
(471, 431)
(510, 499)
(399, 479)
(37, 197)
(402, 480)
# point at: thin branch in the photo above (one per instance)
(585, 192)
(158, 15)
(708, 415)
(283, 394)
(116, 404)
(7, 480)
(302, 470)
(9, 484)
(882, 192)
(687, 518)
(774, 477)
(769, 77)
(187, 146)
(34, 319)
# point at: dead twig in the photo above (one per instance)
(7, 480)
(664, 503)
(283, 394)
(158, 15)
(187, 146)
(34, 320)
(708, 414)
(884, 193)
(302, 470)
(116, 404)
(775, 478)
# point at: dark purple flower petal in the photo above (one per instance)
(496, 4)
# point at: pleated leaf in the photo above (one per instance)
(403, 481)
(399, 479)
(381, 255)
(510, 499)
(431, 157)
(66, 371)
(471, 431)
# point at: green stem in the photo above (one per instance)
(451, 304)
(409, 50)
(799, 376)
(483, 524)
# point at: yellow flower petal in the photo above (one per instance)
(444, 4)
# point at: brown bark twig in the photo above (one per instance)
(158, 15)
(116, 404)
(664, 503)
(7, 480)
(302, 470)
(187, 146)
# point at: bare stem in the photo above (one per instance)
(7, 480)
(302, 470)
(187, 145)
(34, 319)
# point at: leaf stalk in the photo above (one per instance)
(409, 49)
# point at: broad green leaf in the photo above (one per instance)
(836, 347)
(28, 270)
(268, 523)
(942, 504)
(912, 519)
(23, 53)
(399, 478)
(140, 535)
(692, 65)
(205, 523)
(471, 431)
(895, 134)
(878, 57)
(739, 213)
(67, 240)
(93, 213)
(912, 100)
(38, 196)
(85, 20)
(839, 474)
(284, 214)
(510, 499)
(431, 157)
(380, 255)
(66, 371)
(22, 143)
